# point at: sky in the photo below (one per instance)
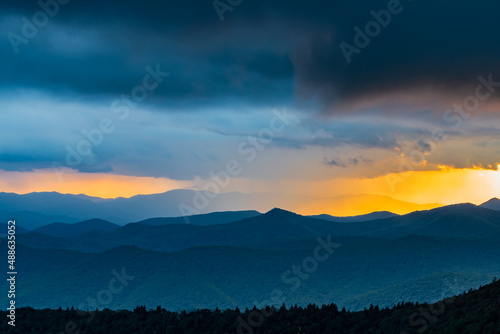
(336, 101)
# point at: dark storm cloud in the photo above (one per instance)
(192, 16)
(100, 49)
(440, 45)
(437, 47)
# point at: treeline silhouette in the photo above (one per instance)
(476, 311)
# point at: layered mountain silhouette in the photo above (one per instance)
(125, 210)
(175, 203)
(460, 221)
(422, 256)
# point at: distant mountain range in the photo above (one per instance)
(421, 256)
(125, 210)
(176, 203)
(354, 219)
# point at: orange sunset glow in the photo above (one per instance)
(400, 193)
(91, 184)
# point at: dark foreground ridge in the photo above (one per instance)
(473, 312)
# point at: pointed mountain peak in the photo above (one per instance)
(493, 204)
(493, 200)
(279, 212)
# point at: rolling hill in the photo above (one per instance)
(4, 230)
(31, 220)
(71, 230)
(214, 218)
